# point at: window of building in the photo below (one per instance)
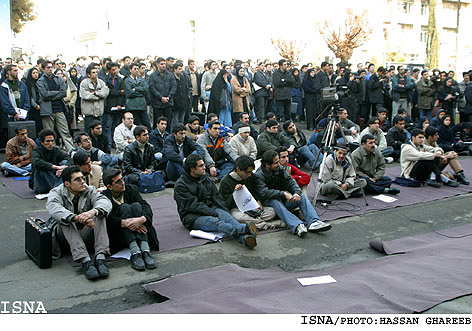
(406, 7)
(424, 8)
(424, 34)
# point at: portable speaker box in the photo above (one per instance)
(38, 242)
(29, 125)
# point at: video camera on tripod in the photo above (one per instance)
(333, 95)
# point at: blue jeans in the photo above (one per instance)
(425, 113)
(108, 161)
(109, 123)
(225, 117)
(45, 181)
(308, 154)
(174, 170)
(224, 169)
(223, 223)
(283, 211)
(388, 151)
(16, 171)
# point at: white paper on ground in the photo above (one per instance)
(384, 198)
(244, 200)
(125, 253)
(213, 236)
(41, 196)
(316, 280)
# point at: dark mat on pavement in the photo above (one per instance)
(19, 187)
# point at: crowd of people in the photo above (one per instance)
(102, 125)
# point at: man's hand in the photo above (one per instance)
(136, 224)
(212, 172)
(291, 149)
(296, 198)
(238, 187)
(344, 187)
(147, 172)
(59, 170)
(288, 196)
(165, 100)
(437, 154)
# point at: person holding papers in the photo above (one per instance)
(242, 179)
(201, 206)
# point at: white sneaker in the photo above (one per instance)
(301, 230)
(389, 159)
(318, 226)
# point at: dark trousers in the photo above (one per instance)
(365, 111)
(130, 211)
(378, 186)
(141, 118)
(158, 112)
(283, 109)
(422, 169)
(260, 105)
(194, 102)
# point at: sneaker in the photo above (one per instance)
(301, 230)
(249, 241)
(392, 191)
(251, 229)
(433, 183)
(461, 179)
(319, 226)
(451, 183)
(137, 262)
(149, 260)
(90, 271)
(389, 159)
(102, 268)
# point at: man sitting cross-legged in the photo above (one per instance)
(201, 206)
(369, 164)
(129, 223)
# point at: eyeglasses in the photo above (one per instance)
(79, 179)
(120, 180)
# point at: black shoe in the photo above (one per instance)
(170, 184)
(102, 268)
(149, 260)
(433, 183)
(392, 191)
(251, 229)
(356, 194)
(89, 270)
(461, 179)
(249, 241)
(451, 183)
(137, 262)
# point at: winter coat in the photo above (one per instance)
(370, 165)
(283, 83)
(426, 92)
(47, 96)
(92, 98)
(115, 96)
(132, 162)
(171, 150)
(136, 99)
(162, 85)
(8, 103)
(217, 151)
(240, 94)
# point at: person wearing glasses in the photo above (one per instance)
(79, 214)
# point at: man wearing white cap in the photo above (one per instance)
(243, 143)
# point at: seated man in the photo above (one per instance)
(219, 156)
(449, 158)
(409, 123)
(351, 129)
(177, 147)
(201, 206)
(270, 139)
(97, 156)
(302, 178)
(269, 116)
(244, 119)
(156, 139)
(18, 153)
(91, 172)
(306, 154)
(138, 158)
(98, 139)
(338, 177)
(193, 128)
(79, 212)
(129, 224)
(369, 164)
(384, 123)
(397, 136)
(47, 161)
(421, 162)
(279, 190)
(224, 130)
(373, 128)
(243, 143)
(242, 175)
(123, 134)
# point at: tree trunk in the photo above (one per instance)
(432, 46)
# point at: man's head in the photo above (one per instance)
(343, 115)
(11, 71)
(95, 128)
(92, 73)
(128, 119)
(191, 65)
(178, 68)
(179, 132)
(431, 134)
(194, 122)
(270, 161)
(340, 151)
(270, 116)
(244, 117)
(399, 122)
(46, 138)
(82, 160)
(170, 62)
(194, 165)
(417, 137)
(289, 126)
(324, 66)
(113, 68)
(142, 69)
(214, 129)
(213, 65)
(402, 112)
(113, 180)
(283, 155)
(47, 68)
(283, 65)
(73, 179)
(441, 113)
(382, 114)
(244, 131)
(244, 166)
(134, 70)
(126, 60)
(212, 117)
(368, 143)
(374, 123)
(21, 133)
(162, 123)
(82, 139)
(272, 126)
(401, 70)
(371, 68)
(141, 134)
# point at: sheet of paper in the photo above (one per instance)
(213, 236)
(385, 198)
(125, 253)
(22, 113)
(244, 200)
(316, 280)
(41, 196)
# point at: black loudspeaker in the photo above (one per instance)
(29, 125)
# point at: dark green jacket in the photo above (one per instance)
(268, 141)
(368, 165)
(273, 185)
(137, 99)
(228, 184)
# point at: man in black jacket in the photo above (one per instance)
(98, 139)
(283, 81)
(397, 136)
(182, 95)
(201, 206)
(321, 81)
(162, 86)
(176, 148)
(375, 89)
(156, 138)
(129, 224)
(138, 158)
(262, 86)
(115, 101)
(304, 153)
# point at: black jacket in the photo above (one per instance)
(101, 143)
(43, 159)
(114, 229)
(196, 197)
(272, 185)
(183, 92)
(292, 138)
(283, 83)
(374, 90)
(262, 79)
(320, 81)
(156, 140)
(396, 138)
(116, 97)
(171, 150)
(132, 163)
(199, 81)
(162, 86)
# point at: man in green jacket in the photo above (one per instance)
(270, 139)
(137, 94)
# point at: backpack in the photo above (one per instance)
(154, 182)
(408, 182)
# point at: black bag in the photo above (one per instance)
(38, 242)
(408, 182)
(153, 182)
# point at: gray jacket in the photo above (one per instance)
(61, 208)
(370, 165)
(92, 98)
(47, 96)
(219, 150)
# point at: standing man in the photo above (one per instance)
(283, 82)
(125, 70)
(426, 95)
(262, 85)
(207, 81)
(401, 87)
(375, 89)
(195, 80)
(163, 86)
(321, 81)
(93, 92)
(182, 95)
(52, 90)
(18, 153)
(137, 93)
(115, 102)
